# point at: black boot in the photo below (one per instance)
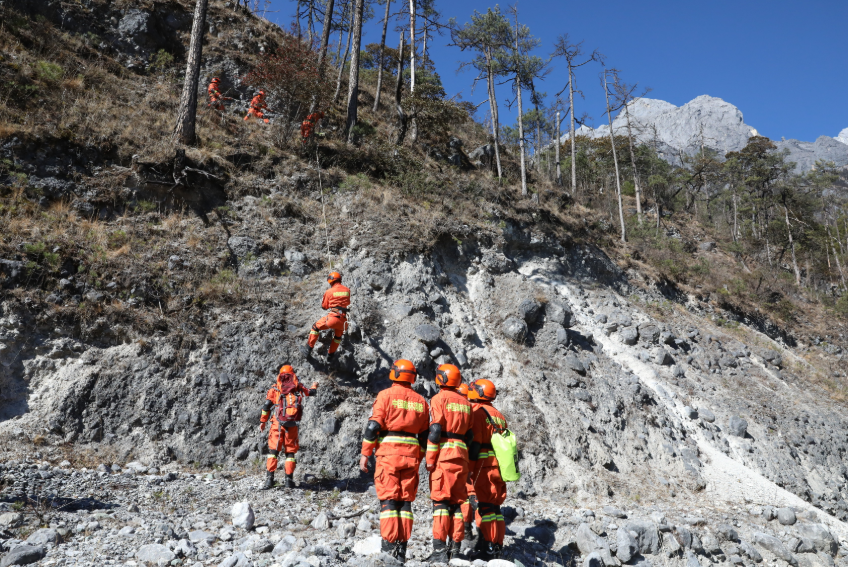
(269, 481)
(290, 481)
(455, 550)
(306, 351)
(400, 551)
(469, 531)
(497, 551)
(440, 552)
(484, 549)
(387, 547)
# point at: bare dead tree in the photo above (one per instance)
(398, 92)
(380, 59)
(614, 154)
(185, 131)
(353, 81)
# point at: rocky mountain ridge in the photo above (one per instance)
(712, 123)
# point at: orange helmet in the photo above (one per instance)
(462, 389)
(447, 375)
(485, 390)
(334, 277)
(287, 369)
(262, 93)
(403, 370)
(215, 80)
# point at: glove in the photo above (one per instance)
(430, 467)
(472, 501)
(262, 425)
(314, 385)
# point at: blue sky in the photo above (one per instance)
(783, 63)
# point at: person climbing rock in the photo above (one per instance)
(257, 105)
(469, 506)
(216, 98)
(287, 395)
(308, 125)
(488, 484)
(447, 462)
(336, 300)
(396, 434)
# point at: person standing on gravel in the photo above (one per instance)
(336, 300)
(469, 507)
(396, 434)
(287, 395)
(485, 473)
(447, 462)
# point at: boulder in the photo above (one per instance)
(692, 560)
(429, 334)
(153, 552)
(775, 546)
(574, 364)
(43, 536)
(589, 542)
(321, 522)
(626, 546)
(23, 555)
(737, 427)
(706, 414)
(707, 246)
(662, 357)
(629, 336)
(821, 538)
(649, 333)
(243, 516)
(514, 329)
(368, 546)
(283, 546)
(562, 336)
(593, 560)
(237, 559)
(242, 246)
(647, 536)
(727, 533)
(528, 310)
(11, 519)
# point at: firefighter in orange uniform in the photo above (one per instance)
(469, 507)
(336, 300)
(308, 125)
(485, 473)
(447, 462)
(287, 395)
(396, 435)
(257, 105)
(216, 99)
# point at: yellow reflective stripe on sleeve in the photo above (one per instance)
(313, 333)
(432, 447)
(399, 440)
(406, 515)
(458, 515)
(335, 341)
(337, 294)
(264, 413)
(270, 456)
(485, 454)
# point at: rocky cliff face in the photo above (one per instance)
(609, 396)
(712, 123)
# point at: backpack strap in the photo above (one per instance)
(497, 427)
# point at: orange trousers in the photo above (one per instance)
(282, 439)
(332, 321)
(491, 493)
(251, 112)
(448, 491)
(396, 482)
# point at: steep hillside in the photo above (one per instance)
(150, 293)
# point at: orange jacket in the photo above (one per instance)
(337, 296)
(482, 453)
(404, 418)
(275, 393)
(258, 103)
(213, 91)
(452, 412)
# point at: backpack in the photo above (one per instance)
(290, 404)
(505, 445)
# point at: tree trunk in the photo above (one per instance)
(184, 131)
(325, 33)
(558, 168)
(344, 59)
(353, 80)
(493, 105)
(411, 46)
(311, 21)
(615, 161)
(380, 60)
(735, 218)
(521, 134)
(398, 89)
(792, 245)
(635, 170)
(573, 142)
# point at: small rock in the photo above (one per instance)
(243, 516)
(629, 336)
(558, 314)
(692, 560)
(153, 552)
(774, 545)
(726, 532)
(368, 546)
(593, 560)
(626, 545)
(428, 333)
(514, 329)
(321, 522)
(11, 519)
(346, 530)
(706, 414)
(786, 516)
(707, 246)
(43, 536)
(237, 559)
(574, 364)
(528, 310)
(662, 357)
(283, 546)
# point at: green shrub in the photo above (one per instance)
(48, 71)
(628, 188)
(161, 61)
(355, 183)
